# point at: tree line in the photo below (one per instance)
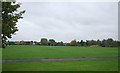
(51, 42)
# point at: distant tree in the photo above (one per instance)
(10, 16)
(31, 42)
(60, 43)
(115, 44)
(93, 42)
(52, 42)
(73, 43)
(22, 42)
(87, 43)
(82, 43)
(36, 43)
(44, 41)
(66, 44)
(11, 43)
(110, 42)
(17, 42)
(103, 43)
(98, 42)
(78, 43)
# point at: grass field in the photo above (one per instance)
(0, 59)
(31, 52)
(63, 66)
(27, 52)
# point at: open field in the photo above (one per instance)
(0, 59)
(28, 52)
(111, 65)
(37, 52)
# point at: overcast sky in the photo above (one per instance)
(66, 21)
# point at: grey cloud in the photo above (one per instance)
(68, 21)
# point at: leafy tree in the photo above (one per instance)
(44, 41)
(52, 42)
(60, 43)
(98, 42)
(73, 43)
(93, 42)
(103, 43)
(82, 43)
(10, 16)
(87, 43)
(110, 42)
(78, 43)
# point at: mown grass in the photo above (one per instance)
(0, 59)
(63, 66)
(31, 52)
(28, 52)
